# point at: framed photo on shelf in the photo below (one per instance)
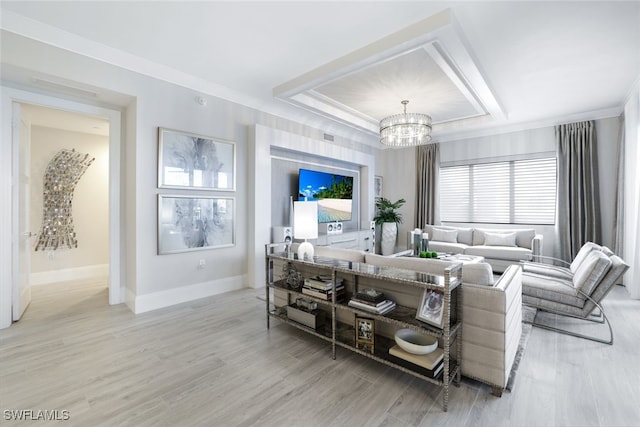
(189, 223)
(187, 160)
(365, 330)
(431, 308)
(377, 186)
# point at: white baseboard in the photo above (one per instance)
(66, 274)
(156, 300)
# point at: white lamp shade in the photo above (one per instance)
(305, 220)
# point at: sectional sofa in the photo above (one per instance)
(491, 311)
(500, 248)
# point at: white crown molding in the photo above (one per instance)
(49, 35)
(516, 127)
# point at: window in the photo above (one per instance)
(505, 192)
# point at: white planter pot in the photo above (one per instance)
(389, 236)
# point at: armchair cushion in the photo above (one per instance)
(547, 270)
(591, 271)
(582, 255)
(547, 288)
(478, 273)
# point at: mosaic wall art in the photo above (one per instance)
(61, 176)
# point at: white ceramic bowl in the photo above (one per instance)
(415, 342)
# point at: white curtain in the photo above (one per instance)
(631, 234)
(618, 224)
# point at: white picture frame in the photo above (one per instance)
(190, 223)
(431, 308)
(189, 160)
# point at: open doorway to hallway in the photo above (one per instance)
(85, 256)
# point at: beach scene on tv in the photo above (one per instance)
(334, 194)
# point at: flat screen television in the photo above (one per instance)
(333, 192)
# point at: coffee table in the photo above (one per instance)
(464, 259)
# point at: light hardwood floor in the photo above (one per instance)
(213, 363)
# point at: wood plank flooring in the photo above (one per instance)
(213, 363)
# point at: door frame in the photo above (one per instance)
(9, 212)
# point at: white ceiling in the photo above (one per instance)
(474, 66)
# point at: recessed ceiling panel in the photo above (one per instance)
(376, 91)
(426, 63)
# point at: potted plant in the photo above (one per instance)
(388, 216)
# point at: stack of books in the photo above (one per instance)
(372, 301)
(430, 365)
(322, 287)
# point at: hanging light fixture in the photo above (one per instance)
(405, 130)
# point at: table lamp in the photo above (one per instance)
(305, 226)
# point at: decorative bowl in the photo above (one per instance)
(415, 342)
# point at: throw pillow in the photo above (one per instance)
(449, 236)
(495, 239)
(591, 271)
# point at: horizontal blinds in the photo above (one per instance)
(511, 192)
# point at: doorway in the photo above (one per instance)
(81, 143)
(99, 116)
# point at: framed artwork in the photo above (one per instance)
(377, 185)
(187, 160)
(431, 307)
(365, 330)
(188, 223)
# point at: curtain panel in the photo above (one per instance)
(578, 212)
(427, 196)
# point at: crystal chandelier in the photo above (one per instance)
(405, 130)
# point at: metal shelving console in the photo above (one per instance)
(356, 275)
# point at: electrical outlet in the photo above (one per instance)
(201, 264)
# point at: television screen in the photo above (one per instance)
(334, 194)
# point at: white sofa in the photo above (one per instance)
(491, 311)
(500, 248)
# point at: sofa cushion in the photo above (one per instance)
(524, 237)
(448, 236)
(591, 271)
(465, 235)
(511, 253)
(454, 248)
(498, 239)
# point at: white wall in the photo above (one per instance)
(152, 280)
(90, 202)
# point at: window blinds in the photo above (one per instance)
(506, 192)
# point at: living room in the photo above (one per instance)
(46, 63)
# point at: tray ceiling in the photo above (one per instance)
(426, 63)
